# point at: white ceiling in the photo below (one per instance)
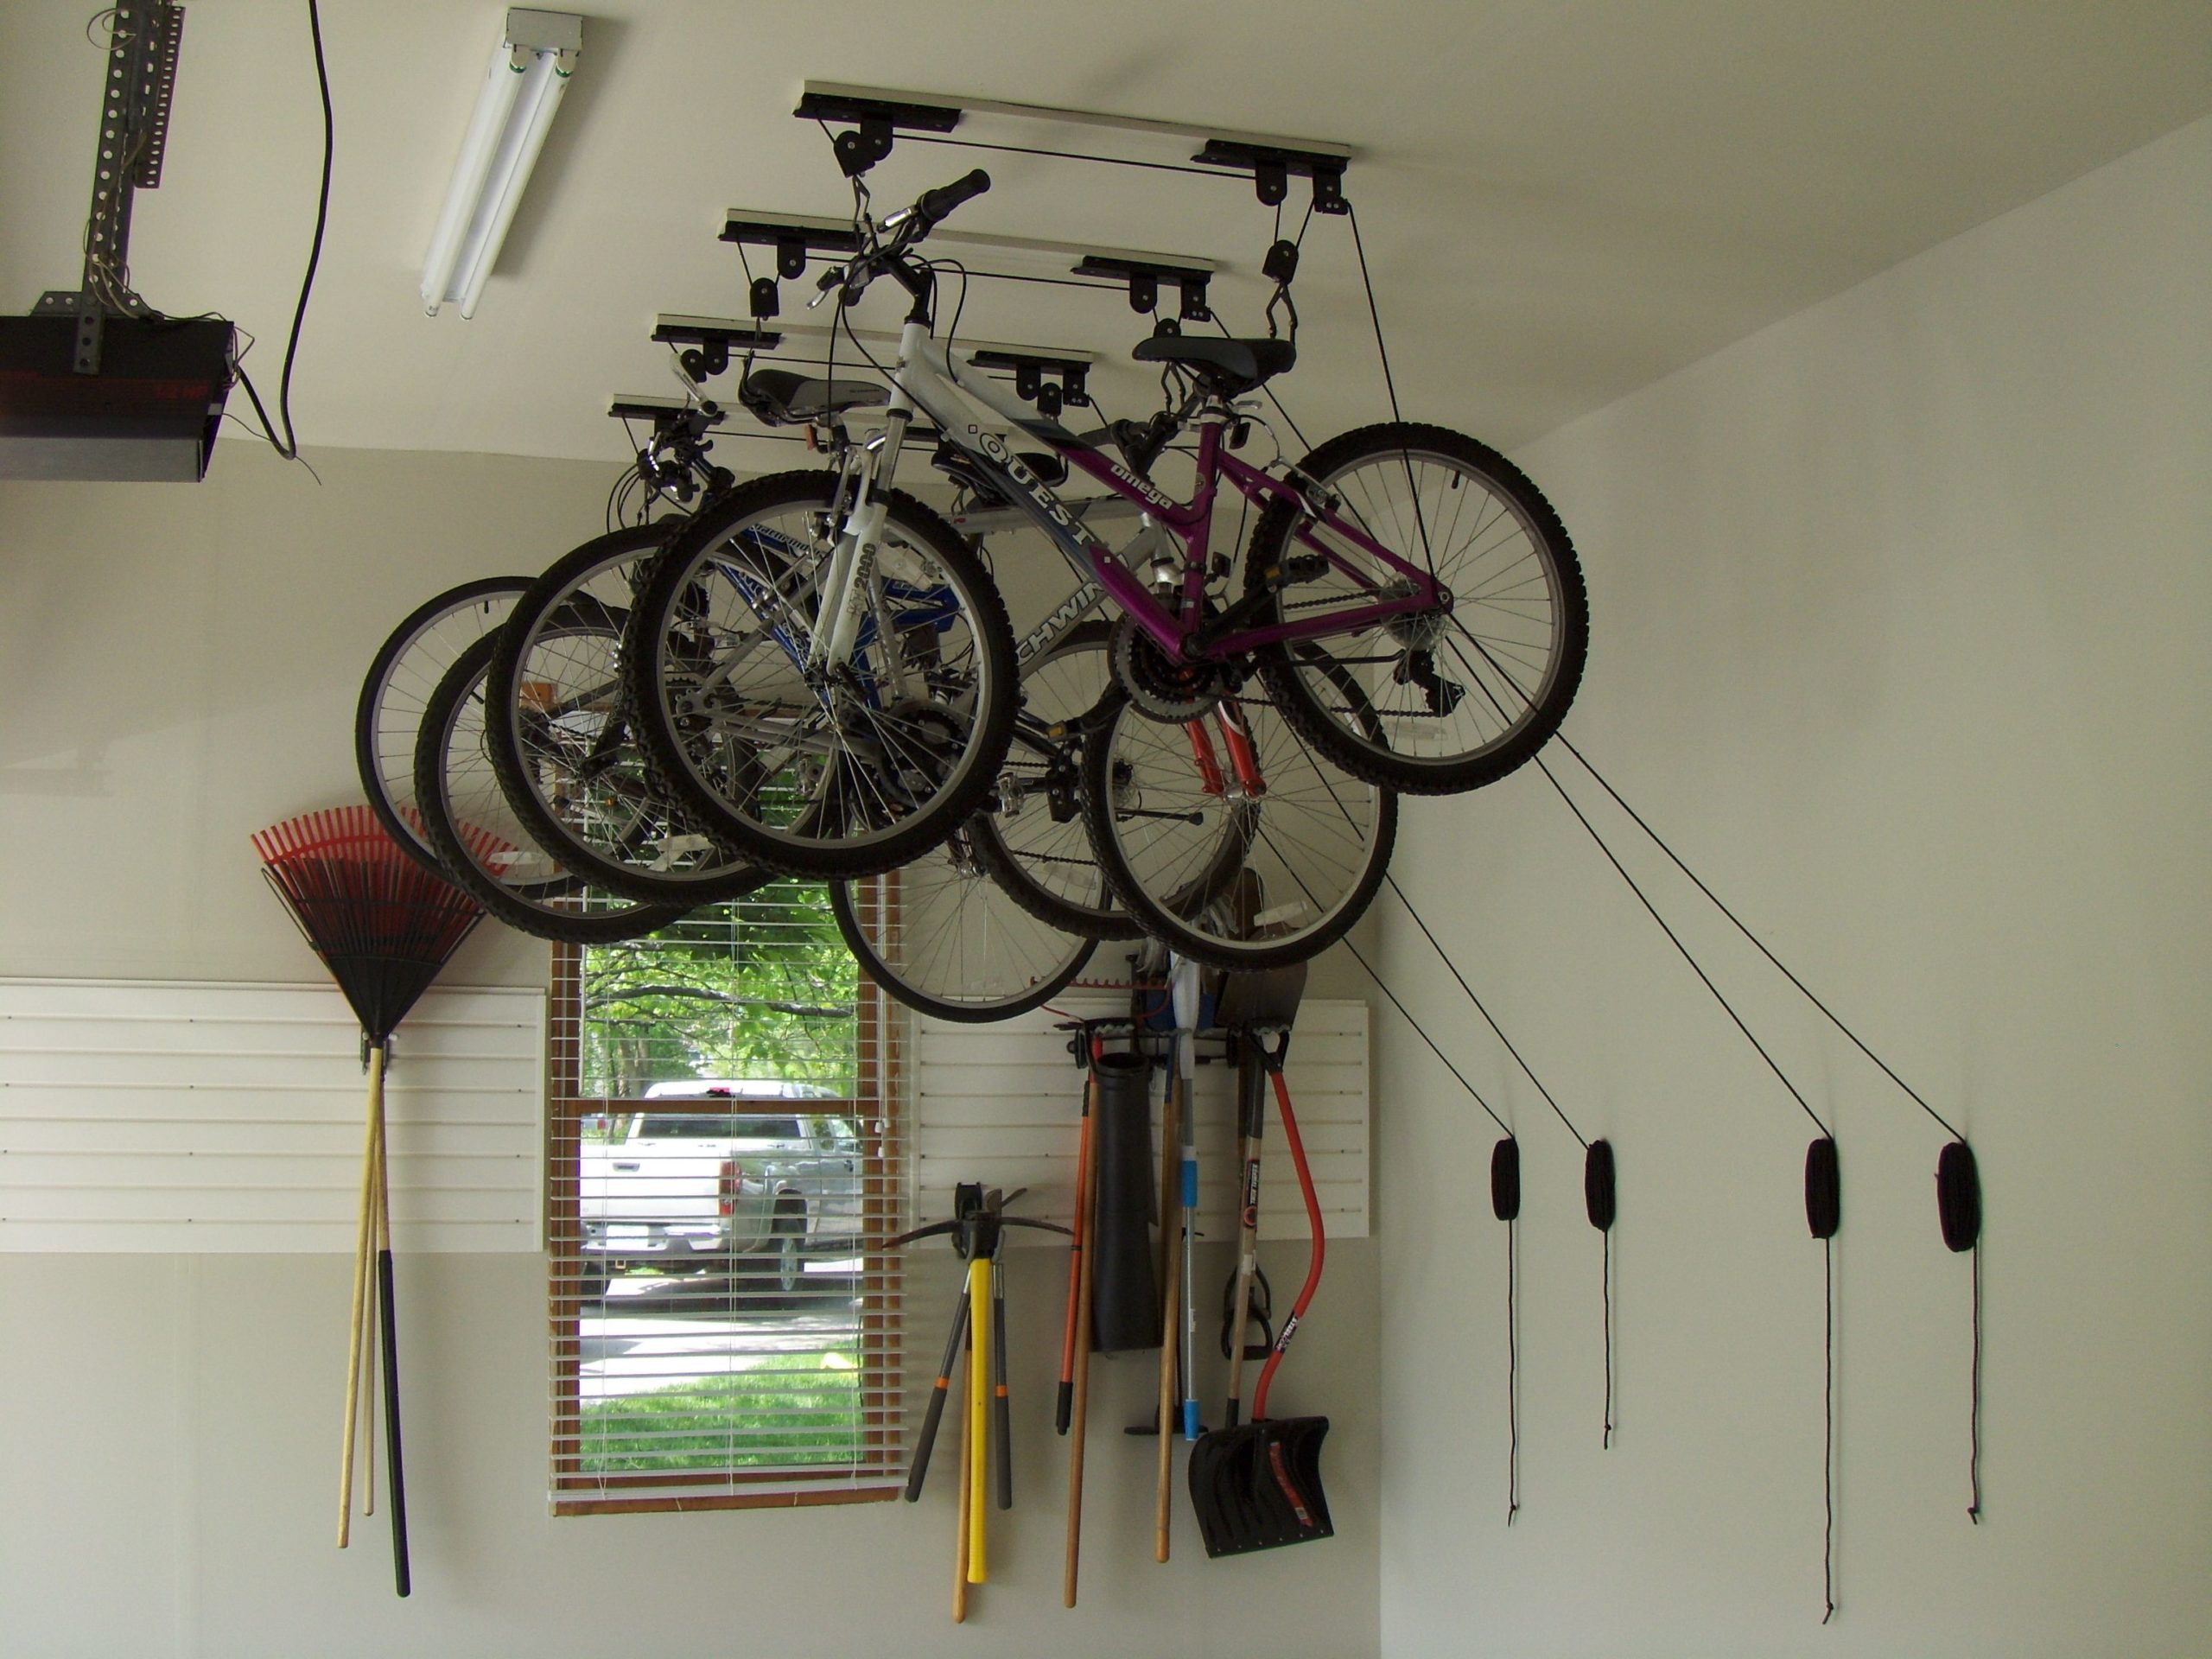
(1562, 199)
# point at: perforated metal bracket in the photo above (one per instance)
(142, 44)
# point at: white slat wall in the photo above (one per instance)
(139, 1116)
(1001, 1103)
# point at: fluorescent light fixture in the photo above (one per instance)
(537, 53)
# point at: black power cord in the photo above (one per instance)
(288, 448)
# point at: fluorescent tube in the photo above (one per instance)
(528, 74)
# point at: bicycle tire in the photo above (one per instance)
(405, 671)
(713, 659)
(979, 958)
(454, 782)
(1480, 687)
(1031, 837)
(558, 734)
(1318, 839)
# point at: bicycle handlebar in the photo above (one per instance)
(907, 226)
(933, 207)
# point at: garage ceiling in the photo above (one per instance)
(1562, 199)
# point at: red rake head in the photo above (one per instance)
(382, 924)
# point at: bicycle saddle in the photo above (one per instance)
(782, 398)
(1227, 368)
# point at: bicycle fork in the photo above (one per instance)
(1236, 737)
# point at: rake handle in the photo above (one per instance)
(363, 1246)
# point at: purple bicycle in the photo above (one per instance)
(1411, 618)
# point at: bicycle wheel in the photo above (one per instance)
(480, 844)
(942, 936)
(406, 671)
(1030, 838)
(1463, 695)
(561, 741)
(1167, 805)
(847, 771)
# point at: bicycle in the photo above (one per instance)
(1415, 697)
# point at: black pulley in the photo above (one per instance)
(1125, 1310)
(1598, 1185)
(1823, 1188)
(1505, 1178)
(1958, 1196)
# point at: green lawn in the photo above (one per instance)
(785, 1411)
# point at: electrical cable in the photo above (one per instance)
(289, 448)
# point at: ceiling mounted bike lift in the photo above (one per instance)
(874, 116)
(797, 237)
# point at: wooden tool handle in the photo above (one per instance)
(363, 1247)
(1089, 1201)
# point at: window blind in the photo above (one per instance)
(727, 1149)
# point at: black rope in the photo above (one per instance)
(1780, 966)
(1973, 1463)
(1421, 1033)
(1606, 1269)
(1827, 1443)
(1269, 390)
(1453, 968)
(1388, 381)
(1725, 1005)
(1512, 1376)
(1065, 155)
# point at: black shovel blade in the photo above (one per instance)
(1258, 1486)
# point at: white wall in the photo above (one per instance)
(1899, 620)
(179, 666)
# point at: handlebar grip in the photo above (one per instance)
(938, 204)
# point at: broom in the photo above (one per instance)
(384, 926)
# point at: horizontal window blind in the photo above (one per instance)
(1001, 1105)
(726, 1153)
(162, 1116)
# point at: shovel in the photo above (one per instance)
(1257, 1485)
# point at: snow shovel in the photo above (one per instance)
(1257, 1485)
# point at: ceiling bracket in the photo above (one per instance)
(1030, 385)
(871, 123)
(1272, 166)
(1144, 277)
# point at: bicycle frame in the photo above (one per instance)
(926, 380)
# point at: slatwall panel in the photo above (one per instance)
(1001, 1105)
(140, 1116)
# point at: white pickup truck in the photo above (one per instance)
(747, 1191)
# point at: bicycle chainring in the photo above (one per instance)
(1169, 692)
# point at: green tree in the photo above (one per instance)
(762, 987)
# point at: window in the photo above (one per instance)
(725, 1146)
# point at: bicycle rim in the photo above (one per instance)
(514, 878)
(1460, 697)
(402, 677)
(1229, 877)
(943, 936)
(845, 771)
(1032, 838)
(562, 742)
